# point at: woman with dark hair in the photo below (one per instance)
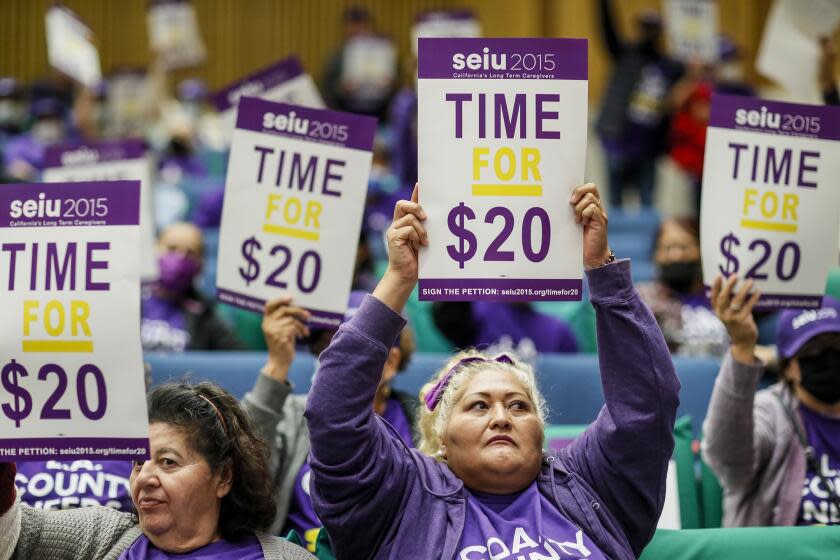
(205, 493)
(677, 297)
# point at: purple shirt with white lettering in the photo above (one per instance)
(72, 484)
(162, 325)
(524, 525)
(246, 549)
(301, 517)
(824, 436)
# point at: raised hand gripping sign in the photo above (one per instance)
(284, 81)
(771, 204)
(111, 161)
(295, 191)
(71, 370)
(502, 144)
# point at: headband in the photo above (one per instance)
(218, 414)
(433, 397)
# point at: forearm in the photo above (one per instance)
(264, 404)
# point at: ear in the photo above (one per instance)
(225, 482)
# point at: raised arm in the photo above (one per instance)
(611, 38)
(360, 468)
(624, 454)
(737, 440)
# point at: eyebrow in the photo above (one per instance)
(164, 450)
(488, 395)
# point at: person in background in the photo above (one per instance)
(24, 155)
(361, 76)
(688, 134)
(479, 483)
(776, 452)
(12, 109)
(175, 316)
(204, 493)
(498, 327)
(677, 297)
(634, 116)
(278, 415)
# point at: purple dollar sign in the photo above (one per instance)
(457, 222)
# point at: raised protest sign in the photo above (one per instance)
(502, 144)
(71, 370)
(70, 46)
(770, 198)
(444, 23)
(692, 29)
(111, 161)
(296, 185)
(174, 33)
(284, 81)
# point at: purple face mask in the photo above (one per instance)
(177, 271)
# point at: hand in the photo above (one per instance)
(589, 212)
(735, 311)
(282, 325)
(405, 236)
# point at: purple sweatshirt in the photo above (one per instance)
(380, 499)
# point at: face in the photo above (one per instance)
(176, 494)
(676, 245)
(493, 441)
(182, 238)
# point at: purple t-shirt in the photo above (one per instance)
(301, 516)
(72, 484)
(520, 328)
(824, 436)
(524, 525)
(246, 549)
(162, 325)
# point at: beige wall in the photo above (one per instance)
(242, 35)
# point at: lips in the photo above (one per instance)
(149, 503)
(501, 440)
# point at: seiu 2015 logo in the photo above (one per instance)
(483, 61)
(761, 118)
(286, 123)
(41, 207)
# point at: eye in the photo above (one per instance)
(137, 465)
(520, 405)
(168, 463)
(478, 405)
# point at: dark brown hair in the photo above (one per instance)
(217, 428)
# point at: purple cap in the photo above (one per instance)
(192, 89)
(796, 327)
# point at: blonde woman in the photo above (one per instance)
(481, 487)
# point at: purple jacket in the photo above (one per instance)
(379, 499)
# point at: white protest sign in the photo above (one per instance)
(692, 29)
(294, 196)
(369, 69)
(111, 161)
(174, 33)
(284, 82)
(71, 371)
(444, 23)
(70, 47)
(770, 197)
(502, 144)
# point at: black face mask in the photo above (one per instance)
(179, 148)
(821, 375)
(679, 276)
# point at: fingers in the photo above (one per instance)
(411, 221)
(274, 304)
(415, 194)
(717, 285)
(583, 190)
(738, 299)
(404, 207)
(407, 236)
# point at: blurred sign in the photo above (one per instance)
(444, 23)
(174, 33)
(692, 28)
(70, 46)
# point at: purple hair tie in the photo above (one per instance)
(433, 397)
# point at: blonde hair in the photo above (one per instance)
(433, 423)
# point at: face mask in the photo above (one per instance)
(178, 147)
(679, 276)
(177, 272)
(48, 131)
(821, 375)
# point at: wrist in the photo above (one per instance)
(276, 369)
(605, 259)
(394, 290)
(743, 352)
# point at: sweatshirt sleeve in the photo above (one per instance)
(737, 439)
(360, 470)
(624, 454)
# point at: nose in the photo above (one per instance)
(146, 475)
(500, 416)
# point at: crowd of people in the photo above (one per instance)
(460, 470)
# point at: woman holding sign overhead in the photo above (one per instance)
(205, 493)
(481, 485)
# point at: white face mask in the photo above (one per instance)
(48, 131)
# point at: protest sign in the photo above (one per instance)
(295, 191)
(284, 82)
(692, 29)
(444, 23)
(71, 370)
(70, 46)
(368, 71)
(111, 161)
(502, 144)
(770, 199)
(174, 33)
